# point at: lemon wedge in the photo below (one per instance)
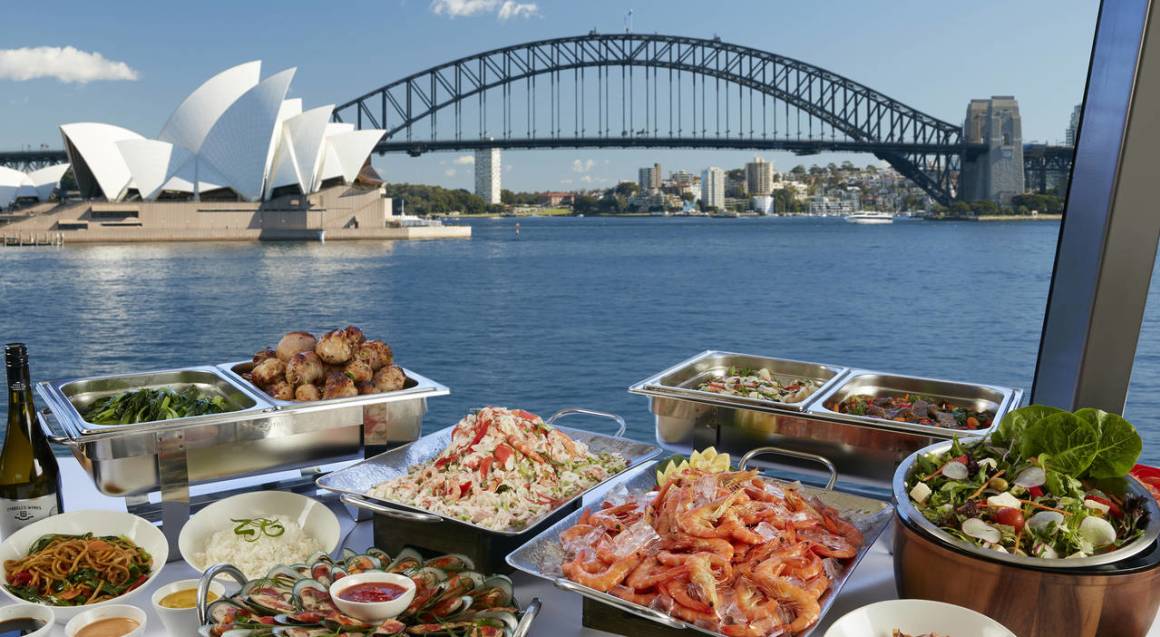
(707, 460)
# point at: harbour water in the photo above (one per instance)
(574, 311)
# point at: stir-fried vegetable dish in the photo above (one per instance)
(762, 384)
(148, 405)
(915, 409)
(1047, 484)
(503, 470)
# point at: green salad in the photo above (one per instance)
(1046, 483)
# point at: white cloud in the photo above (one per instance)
(582, 166)
(566, 181)
(450, 172)
(586, 179)
(503, 10)
(66, 64)
(465, 160)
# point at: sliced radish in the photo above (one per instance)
(989, 463)
(980, 530)
(1004, 500)
(1098, 531)
(1044, 520)
(1045, 551)
(920, 493)
(1096, 505)
(1031, 477)
(955, 470)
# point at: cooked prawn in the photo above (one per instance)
(602, 580)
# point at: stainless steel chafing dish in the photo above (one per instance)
(865, 449)
(257, 437)
(543, 556)
(398, 525)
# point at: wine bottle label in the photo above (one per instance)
(17, 514)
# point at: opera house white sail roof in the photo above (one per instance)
(38, 184)
(236, 131)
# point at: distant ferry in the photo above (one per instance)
(869, 217)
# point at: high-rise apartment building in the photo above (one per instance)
(1073, 125)
(759, 177)
(713, 188)
(649, 179)
(488, 169)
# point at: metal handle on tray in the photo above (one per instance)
(530, 613)
(639, 611)
(382, 509)
(49, 433)
(207, 578)
(569, 411)
(761, 451)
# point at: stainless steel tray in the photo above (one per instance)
(415, 385)
(543, 555)
(860, 381)
(356, 481)
(70, 398)
(682, 380)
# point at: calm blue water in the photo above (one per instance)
(574, 312)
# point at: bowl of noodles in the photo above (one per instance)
(81, 559)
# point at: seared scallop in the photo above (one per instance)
(334, 348)
(305, 368)
(377, 354)
(295, 342)
(390, 378)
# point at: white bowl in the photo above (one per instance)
(35, 611)
(136, 529)
(315, 518)
(915, 617)
(373, 611)
(181, 621)
(105, 612)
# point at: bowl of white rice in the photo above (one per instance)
(258, 531)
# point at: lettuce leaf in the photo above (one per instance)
(1119, 445)
(1016, 422)
(1063, 442)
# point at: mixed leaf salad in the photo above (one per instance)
(1046, 483)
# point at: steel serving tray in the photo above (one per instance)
(1000, 400)
(357, 481)
(911, 516)
(415, 384)
(682, 380)
(71, 398)
(543, 556)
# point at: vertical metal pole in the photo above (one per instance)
(1108, 238)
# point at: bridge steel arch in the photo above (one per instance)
(925, 149)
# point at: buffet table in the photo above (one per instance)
(872, 581)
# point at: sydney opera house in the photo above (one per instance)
(235, 160)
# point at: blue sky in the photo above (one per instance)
(935, 56)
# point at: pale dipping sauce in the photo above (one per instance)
(109, 627)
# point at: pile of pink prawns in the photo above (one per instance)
(729, 552)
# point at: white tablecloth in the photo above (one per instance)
(560, 617)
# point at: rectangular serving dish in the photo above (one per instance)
(399, 525)
(72, 397)
(1000, 400)
(543, 555)
(683, 379)
(414, 385)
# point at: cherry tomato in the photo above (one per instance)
(1010, 516)
(1035, 492)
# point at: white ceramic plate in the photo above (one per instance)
(138, 530)
(315, 518)
(916, 617)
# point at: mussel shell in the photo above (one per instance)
(407, 559)
(216, 609)
(362, 563)
(321, 572)
(452, 562)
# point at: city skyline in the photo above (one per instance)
(1038, 53)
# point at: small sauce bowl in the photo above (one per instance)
(373, 611)
(101, 613)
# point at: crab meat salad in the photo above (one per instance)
(1045, 484)
(504, 469)
(761, 384)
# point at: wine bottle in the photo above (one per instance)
(29, 475)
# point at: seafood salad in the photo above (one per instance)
(504, 469)
(916, 409)
(293, 601)
(1046, 484)
(762, 384)
(727, 551)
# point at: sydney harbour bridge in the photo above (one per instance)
(631, 90)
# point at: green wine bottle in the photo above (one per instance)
(29, 475)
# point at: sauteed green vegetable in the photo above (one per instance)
(148, 405)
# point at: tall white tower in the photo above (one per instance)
(488, 168)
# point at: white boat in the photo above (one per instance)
(869, 217)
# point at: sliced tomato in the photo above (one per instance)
(502, 453)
